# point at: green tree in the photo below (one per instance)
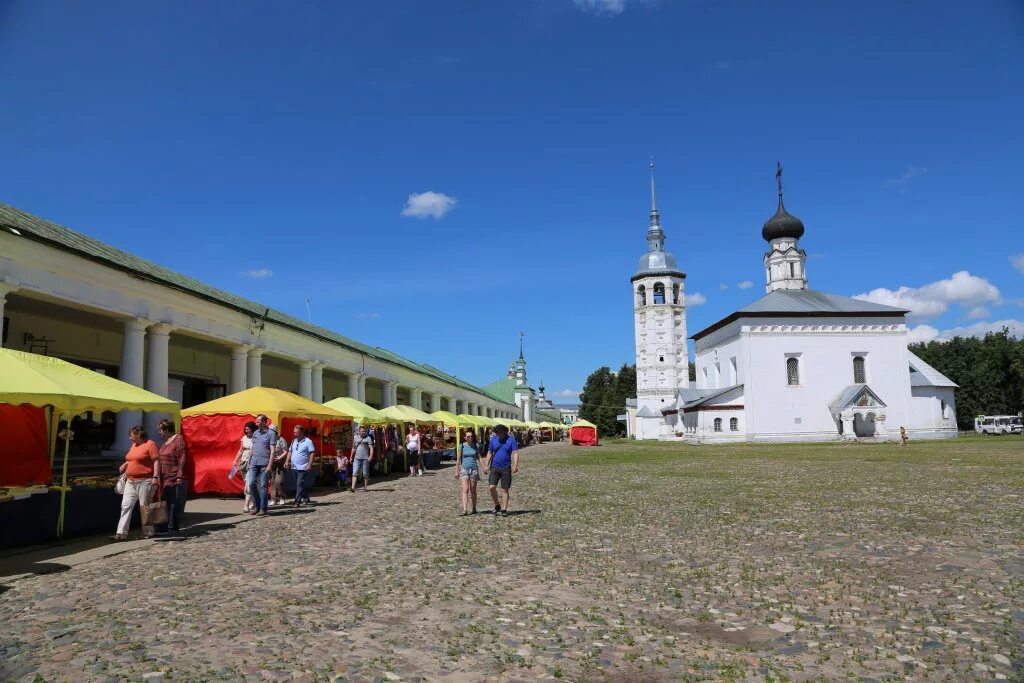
(604, 398)
(989, 372)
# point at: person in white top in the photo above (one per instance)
(412, 446)
(241, 462)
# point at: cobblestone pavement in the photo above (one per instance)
(629, 562)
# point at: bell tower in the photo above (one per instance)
(659, 319)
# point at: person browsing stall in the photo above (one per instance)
(300, 459)
(263, 441)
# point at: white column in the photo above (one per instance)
(5, 289)
(239, 355)
(353, 386)
(157, 343)
(254, 370)
(306, 379)
(389, 393)
(435, 402)
(361, 384)
(416, 398)
(318, 383)
(132, 371)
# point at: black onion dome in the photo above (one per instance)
(782, 224)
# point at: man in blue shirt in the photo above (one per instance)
(502, 462)
(300, 458)
(263, 441)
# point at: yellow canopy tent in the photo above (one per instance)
(402, 415)
(360, 412)
(274, 403)
(68, 390)
(453, 420)
(532, 425)
(518, 424)
(212, 430)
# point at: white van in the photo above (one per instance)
(998, 424)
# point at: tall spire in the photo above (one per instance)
(655, 218)
(521, 335)
(778, 177)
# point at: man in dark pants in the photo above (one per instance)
(264, 440)
(300, 459)
(502, 462)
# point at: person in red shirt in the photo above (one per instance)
(142, 465)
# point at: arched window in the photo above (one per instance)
(718, 424)
(734, 424)
(859, 377)
(792, 372)
(942, 406)
(659, 293)
(675, 294)
(792, 269)
(641, 295)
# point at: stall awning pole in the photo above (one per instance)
(64, 479)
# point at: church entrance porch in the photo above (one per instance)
(860, 413)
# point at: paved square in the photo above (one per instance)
(629, 562)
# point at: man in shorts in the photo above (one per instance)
(362, 454)
(502, 462)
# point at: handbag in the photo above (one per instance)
(121, 483)
(155, 513)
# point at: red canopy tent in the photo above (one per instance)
(25, 453)
(583, 433)
(213, 431)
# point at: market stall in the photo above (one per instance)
(342, 437)
(583, 433)
(401, 416)
(213, 431)
(454, 429)
(36, 394)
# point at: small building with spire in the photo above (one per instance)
(795, 365)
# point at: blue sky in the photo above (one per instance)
(229, 140)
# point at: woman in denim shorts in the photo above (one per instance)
(467, 468)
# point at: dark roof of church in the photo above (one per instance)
(783, 303)
(782, 224)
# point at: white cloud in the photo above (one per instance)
(925, 333)
(428, 205)
(723, 286)
(258, 273)
(1017, 260)
(567, 393)
(607, 7)
(934, 299)
(695, 299)
(908, 175)
(978, 312)
(746, 284)
(368, 316)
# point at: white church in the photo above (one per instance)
(795, 365)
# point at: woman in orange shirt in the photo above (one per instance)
(142, 465)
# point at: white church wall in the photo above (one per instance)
(714, 364)
(824, 348)
(932, 412)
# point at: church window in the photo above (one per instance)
(793, 372)
(718, 424)
(641, 294)
(659, 293)
(661, 359)
(734, 424)
(859, 376)
(675, 294)
(792, 270)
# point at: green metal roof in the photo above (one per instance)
(40, 230)
(502, 390)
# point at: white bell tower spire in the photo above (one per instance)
(659, 317)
